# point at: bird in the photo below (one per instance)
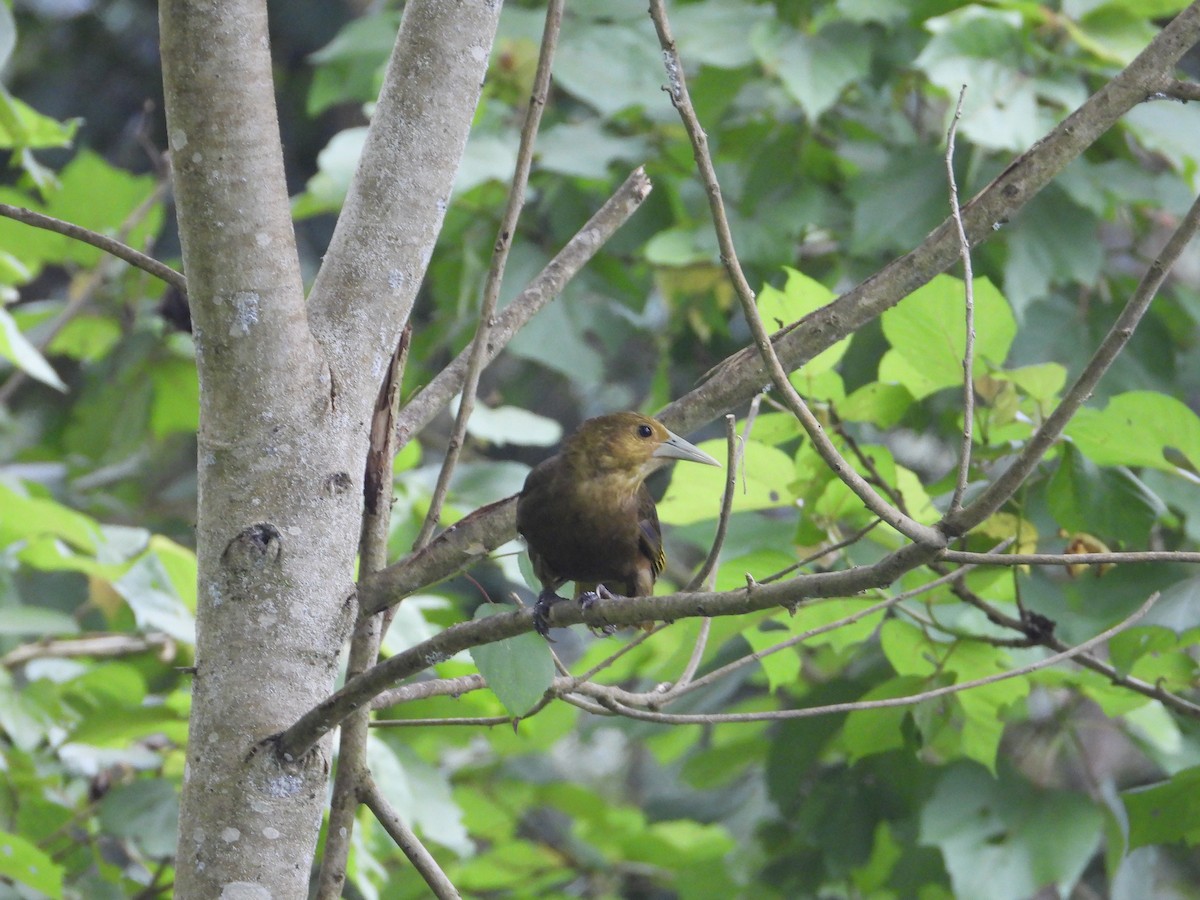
(586, 514)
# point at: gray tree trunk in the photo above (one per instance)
(287, 388)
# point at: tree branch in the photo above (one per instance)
(111, 246)
(297, 740)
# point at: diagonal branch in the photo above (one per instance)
(999, 491)
(111, 246)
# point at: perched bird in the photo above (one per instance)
(586, 515)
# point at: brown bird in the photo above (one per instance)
(586, 515)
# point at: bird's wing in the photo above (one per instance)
(650, 532)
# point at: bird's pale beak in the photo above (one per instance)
(675, 447)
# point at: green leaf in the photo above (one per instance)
(927, 332)
(86, 337)
(800, 296)
(148, 589)
(28, 517)
(175, 406)
(782, 668)
(899, 202)
(1110, 503)
(694, 494)
(1137, 429)
(717, 32)
(17, 349)
(626, 52)
(1041, 381)
(349, 68)
(510, 425)
(518, 669)
(814, 69)
(586, 149)
(326, 190)
(1003, 840)
(26, 864)
(23, 127)
(146, 812)
(1113, 34)
(35, 621)
(1053, 241)
(880, 404)
(1167, 812)
(870, 731)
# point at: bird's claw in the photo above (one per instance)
(541, 610)
(587, 598)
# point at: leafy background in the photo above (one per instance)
(827, 121)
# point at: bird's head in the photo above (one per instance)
(627, 443)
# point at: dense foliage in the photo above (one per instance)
(828, 125)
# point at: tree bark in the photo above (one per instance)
(286, 394)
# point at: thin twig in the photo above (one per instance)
(80, 295)
(678, 92)
(733, 461)
(407, 841)
(964, 458)
(100, 241)
(1002, 489)
(434, 687)
(1072, 559)
(890, 702)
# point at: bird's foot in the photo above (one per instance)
(541, 610)
(587, 598)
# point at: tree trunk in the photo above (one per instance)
(287, 389)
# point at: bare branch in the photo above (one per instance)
(890, 702)
(109, 245)
(964, 457)
(423, 690)
(407, 841)
(1072, 559)
(298, 739)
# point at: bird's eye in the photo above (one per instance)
(644, 431)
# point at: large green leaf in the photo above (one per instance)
(814, 69)
(26, 864)
(927, 332)
(518, 669)
(1167, 812)
(1139, 428)
(1003, 840)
